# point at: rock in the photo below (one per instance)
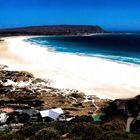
(5, 89)
(91, 97)
(18, 76)
(61, 101)
(87, 104)
(24, 90)
(3, 67)
(66, 113)
(77, 104)
(77, 95)
(38, 80)
(90, 112)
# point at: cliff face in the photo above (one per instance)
(53, 30)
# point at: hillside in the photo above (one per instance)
(52, 30)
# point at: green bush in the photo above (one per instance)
(47, 134)
(11, 136)
(114, 130)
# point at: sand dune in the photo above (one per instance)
(106, 79)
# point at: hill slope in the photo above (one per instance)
(52, 30)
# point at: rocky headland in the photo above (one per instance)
(52, 30)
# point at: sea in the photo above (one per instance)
(120, 47)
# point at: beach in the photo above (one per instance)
(91, 75)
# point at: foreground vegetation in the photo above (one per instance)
(83, 129)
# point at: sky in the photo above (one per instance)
(114, 15)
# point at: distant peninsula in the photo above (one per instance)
(52, 30)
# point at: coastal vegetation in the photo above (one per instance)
(71, 131)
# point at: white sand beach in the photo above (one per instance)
(93, 76)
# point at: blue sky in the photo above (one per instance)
(109, 14)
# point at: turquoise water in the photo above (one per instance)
(118, 47)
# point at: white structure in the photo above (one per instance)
(3, 117)
(52, 113)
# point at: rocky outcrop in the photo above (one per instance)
(15, 76)
(20, 89)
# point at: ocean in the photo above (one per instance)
(117, 47)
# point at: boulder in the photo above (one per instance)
(77, 104)
(77, 95)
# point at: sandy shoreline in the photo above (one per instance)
(106, 79)
(7, 57)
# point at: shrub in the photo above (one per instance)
(11, 136)
(47, 134)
